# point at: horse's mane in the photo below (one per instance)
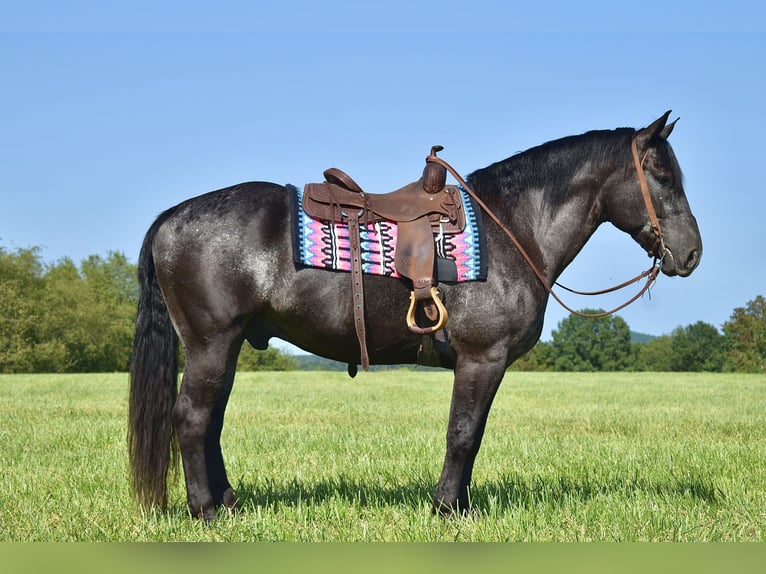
(550, 167)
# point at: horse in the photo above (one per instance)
(217, 270)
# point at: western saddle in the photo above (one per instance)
(420, 209)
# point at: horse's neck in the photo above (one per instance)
(557, 230)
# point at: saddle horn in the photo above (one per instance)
(434, 175)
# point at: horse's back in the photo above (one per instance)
(225, 223)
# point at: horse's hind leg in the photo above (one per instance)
(220, 487)
(198, 419)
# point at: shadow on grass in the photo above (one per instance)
(518, 491)
(341, 488)
(512, 491)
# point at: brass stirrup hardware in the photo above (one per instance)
(441, 319)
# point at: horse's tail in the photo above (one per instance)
(152, 444)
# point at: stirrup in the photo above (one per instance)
(441, 320)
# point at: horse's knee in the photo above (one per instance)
(463, 442)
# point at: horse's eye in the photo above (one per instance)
(664, 178)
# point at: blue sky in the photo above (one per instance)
(114, 111)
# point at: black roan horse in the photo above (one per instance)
(217, 270)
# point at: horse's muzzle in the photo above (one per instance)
(683, 267)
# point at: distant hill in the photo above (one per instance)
(314, 363)
(640, 337)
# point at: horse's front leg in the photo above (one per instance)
(475, 386)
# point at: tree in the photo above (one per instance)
(746, 336)
(63, 338)
(655, 355)
(21, 289)
(591, 344)
(698, 347)
(271, 359)
(61, 318)
(538, 359)
(113, 288)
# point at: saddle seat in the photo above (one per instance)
(420, 209)
(334, 201)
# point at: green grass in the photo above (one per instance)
(318, 456)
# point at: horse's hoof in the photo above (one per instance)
(442, 509)
(230, 500)
(453, 510)
(206, 514)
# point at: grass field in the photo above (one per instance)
(317, 456)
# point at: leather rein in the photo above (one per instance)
(657, 251)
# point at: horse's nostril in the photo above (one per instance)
(693, 259)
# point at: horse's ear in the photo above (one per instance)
(656, 128)
(668, 129)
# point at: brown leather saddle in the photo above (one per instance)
(420, 209)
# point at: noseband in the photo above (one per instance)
(657, 251)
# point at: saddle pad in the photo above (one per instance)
(325, 245)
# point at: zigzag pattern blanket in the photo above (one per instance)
(460, 256)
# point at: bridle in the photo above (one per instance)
(657, 251)
(659, 243)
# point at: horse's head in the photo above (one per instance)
(630, 212)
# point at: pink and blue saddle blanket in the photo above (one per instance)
(325, 245)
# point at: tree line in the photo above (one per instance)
(605, 344)
(68, 318)
(64, 317)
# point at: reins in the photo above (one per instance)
(650, 274)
